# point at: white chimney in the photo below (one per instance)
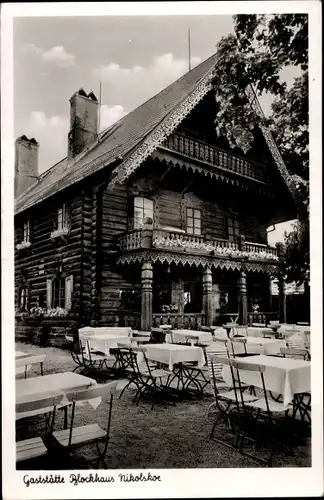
(83, 122)
(26, 163)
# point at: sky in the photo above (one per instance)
(133, 58)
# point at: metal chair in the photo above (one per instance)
(259, 423)
(75, 437)
(290, 352)
(226, 401)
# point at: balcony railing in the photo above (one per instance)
(190, 321)
(216, 157)
(164, 239)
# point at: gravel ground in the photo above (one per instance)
(172, 436)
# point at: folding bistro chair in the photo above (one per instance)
(295, 353)
(35, 447)
(227, 400)
(74, 438)
(75, 351)
(243, 342)
(92, 360)
(259, 420)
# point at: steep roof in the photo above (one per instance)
(133, 138)
(117, 141)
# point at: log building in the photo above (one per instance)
(155, 220)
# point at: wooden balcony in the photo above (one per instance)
(216, 157)
(175, 241)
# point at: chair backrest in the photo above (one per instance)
(251, 367)
(294, 353)
(44, 403)
(205, 328)
(30, 360)
(69, 338)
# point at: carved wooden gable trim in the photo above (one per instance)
(171, 121)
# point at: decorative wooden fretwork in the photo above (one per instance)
(195, 260)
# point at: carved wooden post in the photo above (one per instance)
(242, 298)
(147, 296)
(207, 282)
(281, 285)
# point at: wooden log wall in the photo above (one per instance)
(168, 209)
(113, 278)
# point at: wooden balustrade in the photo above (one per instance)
(131, 240)
(262, 317)
(190, 321)
(168, 239)
(258, 248)
(130, 318)
(216, 156)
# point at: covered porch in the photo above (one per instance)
(187, 291)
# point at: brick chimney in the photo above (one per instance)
(26, 163)
(83, 122)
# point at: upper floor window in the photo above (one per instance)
(233, 229)
(143, 208)
(26, 235)
(193, 221)
(62, 217)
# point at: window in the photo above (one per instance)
(23, 297)
(233, 229)
(193, 221)
(142, 208)
(58, 292)
(62, 217)
(26, 236)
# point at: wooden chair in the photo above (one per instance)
(31, 360)
(76, 437)
(158, 335)
(35, 447)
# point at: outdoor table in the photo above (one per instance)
(32, 389)
(24, 362)
(178, 358)
(285, 376)
(259, 345)
(20, 354)
(178, 336)
(104, 342)
(257, 331)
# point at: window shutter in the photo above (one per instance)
(49, 294)
(68, 291)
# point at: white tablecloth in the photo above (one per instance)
(170, 354)
(284, 376)
(104, 342)
(259, 345)
(257, 331)
(50, 385)
(178, 336)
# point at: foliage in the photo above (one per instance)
(296, 257)
(262, 46)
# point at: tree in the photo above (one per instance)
(261, 47)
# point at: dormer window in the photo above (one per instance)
(233, 229)
(193, 221)
(143, 207)
(26, 234)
